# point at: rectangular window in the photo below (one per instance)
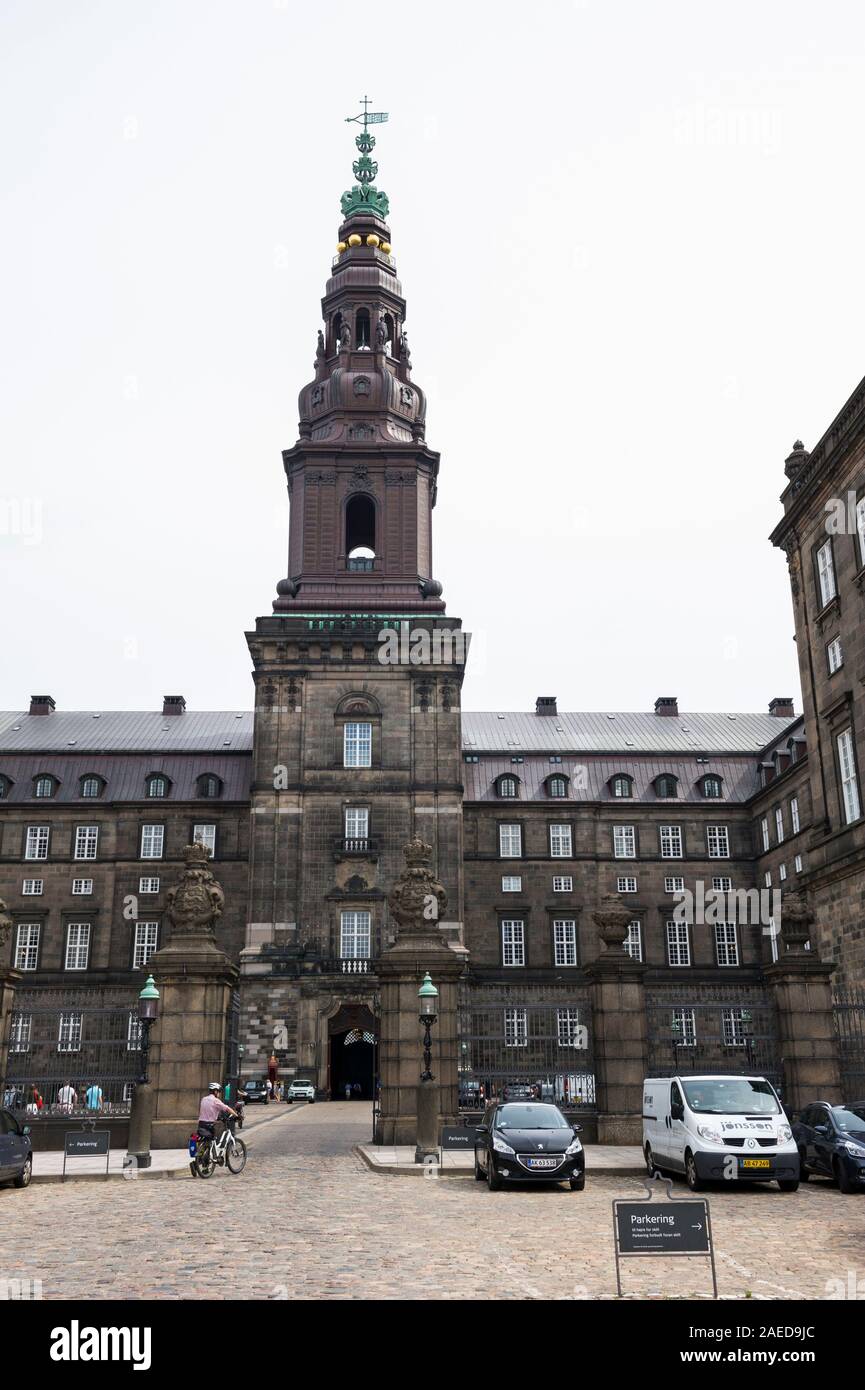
(36, 846)
(27, 945)
(860, 529)
(32, 887)
(512, 883)
(722, 885)
(355, 935)
(561, 846)
(671, 841)
(626, 885)
(764, 832)
(779, 824)
(767, 878)
(146, 935)
(86, 840)
(510, 841)
(19, 1033)
(356, 822)
(69, 1033)
(633, 943)
(826, 573)
(565, 941)
(782, 872)
(563, 883)
(624, 842)
(133, 1034)
(568, 1029)
(734, 1028)
(834, 656)
(148, 885)
(513, 942)
(718, 841)
(849, 781)
(205, 835)
(794, 815)
(82, 887)
(674, 885)
(357, 745)
(726, 943)
(516, 1028)
(152, 841)
(678, 944)
(77, 945)
(797, 863)
(687, 1030)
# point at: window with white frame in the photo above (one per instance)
(91, 786)
(146, 936)
(69, 1033)
(564, 941)
(826, 573)
(849, 780)
(44, 787)
(563, 883)
(733, 1027)
(722, 884)
(82, 887)
(558, 786)
(767, 878)
(510, 841)
(568, 1031)
(357, 745)
(686, 1033)
(86, 840)
(834, 656)
(633, 942)
(621, 786)
(779, 824)
(507, 786)
(782, 872)
(624, 842)
(718, 841)
(32, 887)
(860, 529)
(357, 822)
(20, 1029)
(764, 833)
(157, 786)
(671, 841)
(27, 945)
(205, 835)
(134, 1033)
(678, 944)
(77, 945)
(797, 863)
(355, 935)
(726, 943)
(36, 843)
(516, 1028)
(794, 815)
(674, 884)
(148, 885)
(712, 788)
(152, 841)
(561, 842)
(512, 883)
(625, 884)
(773, 939)
(513, 941)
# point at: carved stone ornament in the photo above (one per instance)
(796, 916)
(5, 926)
(417, 900)
(611, 917)
(196, 902)
(362, 386)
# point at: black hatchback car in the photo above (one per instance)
(831, 1143)
(16, 1154)
(523, 1141)
(255, 1090)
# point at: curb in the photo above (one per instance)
(420, 1170)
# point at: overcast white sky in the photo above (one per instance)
(630, 235)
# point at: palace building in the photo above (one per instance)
(562, 839)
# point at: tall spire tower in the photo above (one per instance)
(361, 480)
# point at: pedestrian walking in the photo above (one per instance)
(93, 1097)
(68, 1098)
(348, 1090)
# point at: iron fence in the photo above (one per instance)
(515, 1045)
(62, 1044)
(719, 1029)
(849, 1010)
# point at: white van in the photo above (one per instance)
(713, 1128)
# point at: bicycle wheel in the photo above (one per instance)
(235, 1156)
(205, 1162)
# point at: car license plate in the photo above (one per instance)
(543, 1163)
(756, 1163)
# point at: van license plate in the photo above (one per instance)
(756, 1163)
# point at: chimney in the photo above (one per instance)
(782, 706)
(41, 704)
(546, 704)
(173, 704)
(667, 704)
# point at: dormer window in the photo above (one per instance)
(44, 787)
(557, 786)
(666, 786)
(209, 785)
(507, 787)
(157, 786)
(92, 786)
(622, 785)
(711, 788)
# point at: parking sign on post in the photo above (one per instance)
(678, 1226)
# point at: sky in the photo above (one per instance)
(630, 239)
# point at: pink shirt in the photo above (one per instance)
(210, 1109)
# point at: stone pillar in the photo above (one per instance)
(417, 902)
(802, 988)
(9, 979)
(619, 1024)
(195, 978)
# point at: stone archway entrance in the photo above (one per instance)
(352, 1052)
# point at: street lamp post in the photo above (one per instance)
(426, 1146)
(141, 1111)
(428, 996)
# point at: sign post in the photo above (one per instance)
(679, 1226)
(85, 1143)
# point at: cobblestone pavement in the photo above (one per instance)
(308, 1220)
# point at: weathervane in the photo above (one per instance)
(365, 197)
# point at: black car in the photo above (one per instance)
(16, 1156)
(831, 1143)
(255, 1090)
(522, 1141)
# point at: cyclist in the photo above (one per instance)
(210, 1109)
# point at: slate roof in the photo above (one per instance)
(127, 731)
(516, 732)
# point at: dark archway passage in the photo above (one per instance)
(351, 1063)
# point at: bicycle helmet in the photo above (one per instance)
(214, 1086)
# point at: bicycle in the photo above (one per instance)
(227, 1150)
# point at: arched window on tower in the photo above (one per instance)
(362, 335)
(360, 532)
(391, 335)
(336, 329)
